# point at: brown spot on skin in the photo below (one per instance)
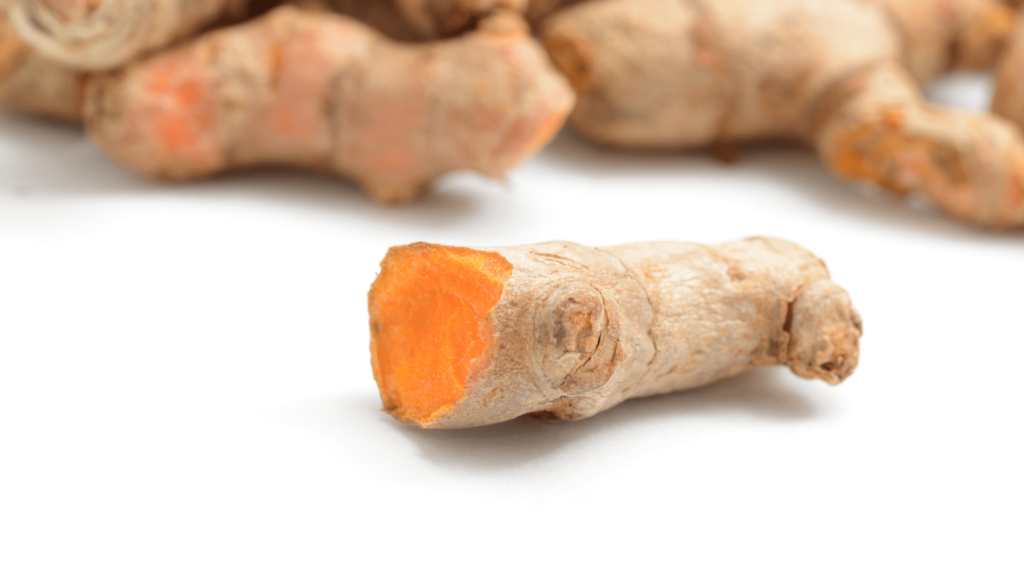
(574, 57)
(565, 408)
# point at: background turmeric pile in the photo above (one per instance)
(468, 88)
(297, 86)
(842, 76)
(392, 94)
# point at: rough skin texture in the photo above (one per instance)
(323, 91)
(801, 70)
(466, 337)
(31, 84)
(105, 34)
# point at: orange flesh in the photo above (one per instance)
(430, 324)
(175, 83)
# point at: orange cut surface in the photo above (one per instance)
(430, 324)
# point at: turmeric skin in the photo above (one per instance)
(322, 91)
(33, 85)
(662, 74)
(465, 337)
(1008, 100)
(105, 34)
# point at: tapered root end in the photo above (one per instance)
(430, 325)
(825, 333)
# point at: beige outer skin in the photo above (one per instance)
(970, 165)
(392, 117)
(793, 69)
(33, 85)
(113, 32)
(1008, 100)
(579, 330)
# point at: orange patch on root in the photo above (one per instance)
(882, 153)
(185, 114)
(430, 325)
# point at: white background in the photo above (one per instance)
(185, 385)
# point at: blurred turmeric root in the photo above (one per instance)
(31, 84)
(322, 91)
(1008, 100)
(464, 337)
(105, 34)
(841, 75)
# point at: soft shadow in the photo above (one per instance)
(577, 154)
(450, 200)
(792, 166)
(800, 169)
(56, 158)
(758, 394)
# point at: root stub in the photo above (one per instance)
(464, 337)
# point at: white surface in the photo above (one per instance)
(185, 384)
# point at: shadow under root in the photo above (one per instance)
(759, 393)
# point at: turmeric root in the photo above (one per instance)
(31, 84)
(464, 337)
(105, 34)
(841, 75)
(319, 90)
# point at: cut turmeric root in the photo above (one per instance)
(842, 76)
(465, 337)
(322, 91)
(31, 84)
(105, 34)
